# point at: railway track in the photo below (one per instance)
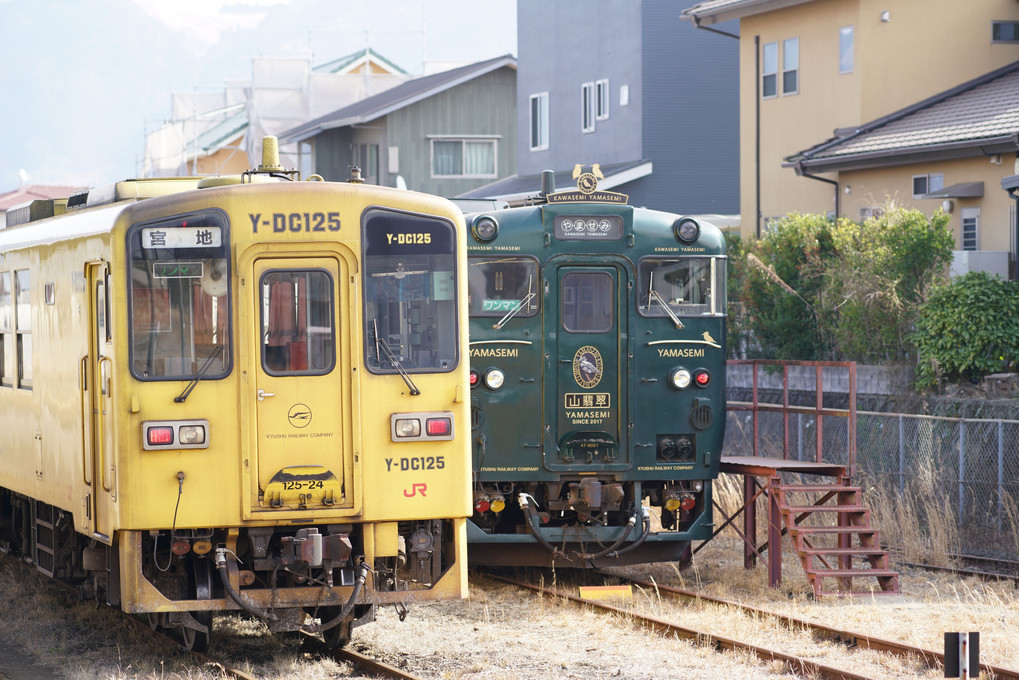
(860, 640)
(795, 663)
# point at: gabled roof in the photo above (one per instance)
(716, 11)
(516, 189)
(978, 117)
(396, 98)
(31, 192)
(353, 60)
(222, 133)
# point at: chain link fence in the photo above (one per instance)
(927, 479)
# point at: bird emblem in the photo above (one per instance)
(707, 338)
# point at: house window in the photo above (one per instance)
(463, 157)
(1005, 31)
(539, 121)
(769, 70)
(925, 184)
(970, 228)
(846, 49)
(602, 97)
(791, 66)
(587, 107)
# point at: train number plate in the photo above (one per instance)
(301, 487)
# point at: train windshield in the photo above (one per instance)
(409, 293)
(179, 298)
(498, 285)
(688, 286)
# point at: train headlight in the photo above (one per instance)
(191, 434)
(494, 379)
(680, 378)
(407, 427)
(485, 228)
(687, 230)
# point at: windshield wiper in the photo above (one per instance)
(520, 305)
(381, 346)
(652, 294)
(180, 398)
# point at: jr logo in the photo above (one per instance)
(415, 489)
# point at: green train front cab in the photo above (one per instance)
(598, 381)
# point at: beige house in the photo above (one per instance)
(845, 104)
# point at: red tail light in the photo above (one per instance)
(160, 436)
(438, 427)
(702, 378)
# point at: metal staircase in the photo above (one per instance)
(834, 539)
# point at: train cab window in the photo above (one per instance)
(8, 369)
(409, 293)
(298, 331)
(692, 286)
(496, 286)
(587, 302)
(179, 293)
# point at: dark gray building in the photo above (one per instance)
(442, 134)
(630, 86)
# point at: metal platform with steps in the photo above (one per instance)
(827, 522)
(824, 516)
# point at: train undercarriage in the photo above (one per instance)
(587, 522)
(315, 579)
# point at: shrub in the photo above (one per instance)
(967, 329)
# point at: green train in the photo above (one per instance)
(597, 351)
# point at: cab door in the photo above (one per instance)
(588, 340)
(301, 388)
(97, 367)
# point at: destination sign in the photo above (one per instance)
(182, 237)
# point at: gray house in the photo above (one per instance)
(628, 85)
(442, 134)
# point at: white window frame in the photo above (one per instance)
(464, 140)
(970, 218)
(769, 71)
(847, 41)
(587, 112)
(934, 181)
(538, 129)
(601, 88)
(787, 45)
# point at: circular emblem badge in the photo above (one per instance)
(587, 183)
(587, 366)
(300, 415)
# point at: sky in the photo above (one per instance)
(83, 81)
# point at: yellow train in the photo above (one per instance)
(242, 392)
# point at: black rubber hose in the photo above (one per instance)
(609, 550)
(531, 518)
(640, 539)
(362, 574)
(232, 592)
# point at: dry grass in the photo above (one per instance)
(500, 632)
